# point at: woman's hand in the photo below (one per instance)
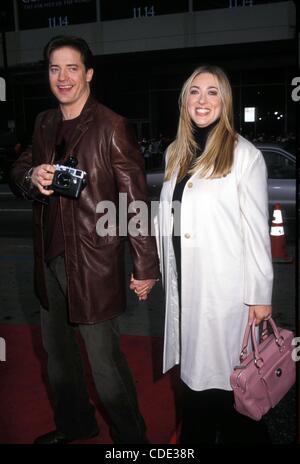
(259, 313)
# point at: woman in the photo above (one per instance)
(215, 256)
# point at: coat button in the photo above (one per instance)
(187, 235)
(190, 185)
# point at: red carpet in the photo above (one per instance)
(25, 410)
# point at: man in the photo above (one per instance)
(79, 275)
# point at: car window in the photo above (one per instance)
(278, 165)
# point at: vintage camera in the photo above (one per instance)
(68, 181)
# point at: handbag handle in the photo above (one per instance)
(244, 350)
(251, 328)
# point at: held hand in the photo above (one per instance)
(142, 287)
(42, 177)
(259, 313)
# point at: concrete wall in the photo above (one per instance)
(267, 22)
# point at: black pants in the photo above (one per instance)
(209, 417)
(73, 411)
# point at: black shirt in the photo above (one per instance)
(54, 238)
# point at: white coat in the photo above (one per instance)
(226, 266)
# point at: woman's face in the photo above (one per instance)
(204, 101)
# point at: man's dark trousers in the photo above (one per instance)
(74, 414)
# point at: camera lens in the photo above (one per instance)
(63, 179)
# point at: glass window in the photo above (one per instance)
(51, 14)
(269, 102)
(278, 165)
(7, 21)
(214, 4)
(114, 9)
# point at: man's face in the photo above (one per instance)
(68, 78)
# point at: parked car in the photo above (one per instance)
(281, 165)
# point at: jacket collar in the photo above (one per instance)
(54, 118)
(86, 116)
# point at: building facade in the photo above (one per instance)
(144, 50)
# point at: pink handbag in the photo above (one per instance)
(266, 374)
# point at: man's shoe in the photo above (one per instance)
(60, 438)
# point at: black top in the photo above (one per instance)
(200, 136)
(54, 239)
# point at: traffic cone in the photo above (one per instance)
(174, 439)
(278, 243)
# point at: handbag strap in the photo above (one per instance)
(244, 350)
(251, 329)
(258, 360)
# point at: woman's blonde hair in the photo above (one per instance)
(217, 157)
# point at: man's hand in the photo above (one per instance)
(42, 177)
(259, 313)
(142, 288)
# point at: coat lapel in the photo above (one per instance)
(49, 131)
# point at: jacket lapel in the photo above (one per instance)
(50, 128)
(49, 132)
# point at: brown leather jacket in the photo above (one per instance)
(106, 149)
